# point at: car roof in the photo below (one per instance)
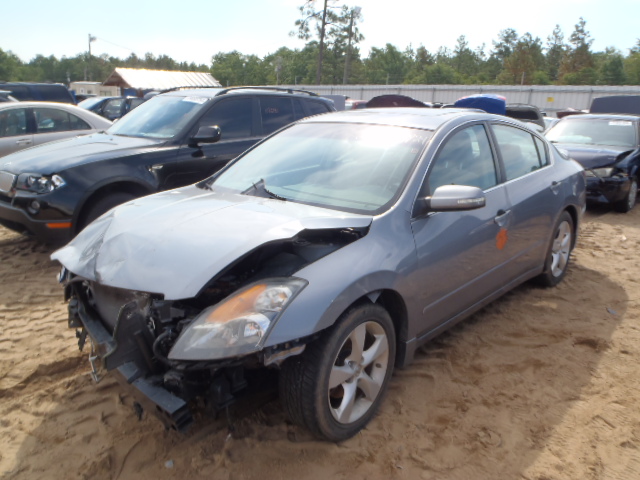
(39, 104)
(423, 118)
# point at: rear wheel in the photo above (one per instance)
(559, 252)
(335, 386)
(103, 205)
(629, 200)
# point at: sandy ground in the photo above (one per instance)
(544, 384)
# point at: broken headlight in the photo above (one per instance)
(600, 172)
(237, 325)
(36, 183)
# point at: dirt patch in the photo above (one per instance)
(542, 384)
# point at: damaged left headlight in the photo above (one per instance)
(239, 324)
(35, 183)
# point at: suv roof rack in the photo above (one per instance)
(276, 89)
(185, 87)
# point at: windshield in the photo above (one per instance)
(161, 117)
(349, 167)
(601, 131)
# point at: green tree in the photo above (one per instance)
(386, 65)
(465, 61)
(556, 50)
(318, 22)
(507, 40)
(578, 57)
(525, 60)
(632, 65)
(420, 60)
(10, 66)
(611, 70)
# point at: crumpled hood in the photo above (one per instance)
(57, 156)
(174, 242)
(593, 156)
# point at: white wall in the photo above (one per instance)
(549, 98)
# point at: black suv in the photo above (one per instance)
(40, 92)
(174, 139)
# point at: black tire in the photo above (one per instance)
(629, 201)
(103, 205)
(305, 390)
(559, 252)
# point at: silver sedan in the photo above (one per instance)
(26, 124)
(331, 251)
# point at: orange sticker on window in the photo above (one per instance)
(501, 238)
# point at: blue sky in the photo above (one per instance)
(194, 30)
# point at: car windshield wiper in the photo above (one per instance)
(259, 189)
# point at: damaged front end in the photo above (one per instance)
(612, 182)
(175, 356)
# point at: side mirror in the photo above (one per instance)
(447, 198)
(205, 135)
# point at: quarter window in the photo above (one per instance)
(521, 154)
(316, 108)
(465, 159)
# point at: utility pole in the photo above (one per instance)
(91, 39)
(323, 28)
(355, 12)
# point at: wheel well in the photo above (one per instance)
(393, 303)
(131, 188)
(571, 210)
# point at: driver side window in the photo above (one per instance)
(465, 159)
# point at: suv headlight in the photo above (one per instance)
(33, 182)
(239, 324)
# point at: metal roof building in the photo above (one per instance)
(144, 79)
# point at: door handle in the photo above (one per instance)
(501, 217)
(555, 187)
(23, 141)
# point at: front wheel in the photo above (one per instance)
(559, 252)
(629, 200)
(103, 205)
(335, 386)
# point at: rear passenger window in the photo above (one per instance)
(13, 122)
(520, 152)
(233, 116)
(276, 112)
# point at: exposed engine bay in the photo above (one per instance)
(132, 334)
